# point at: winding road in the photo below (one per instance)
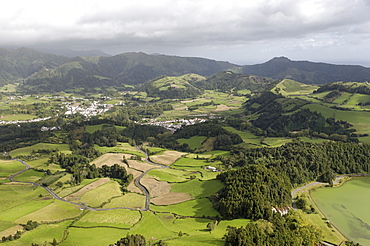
(82, 206)
(138, 179)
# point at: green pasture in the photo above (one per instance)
(156, 150)
(50, 179)
(207, 174)
(14, 117)
(347, 208)
(30, 176)
(19, 200)
(93, 128)
(120, 218)
(189, 162)
(313, 140)
(360, 119)
(101, 194)
(287, 87)
(358, 98)
(215, 153)
(246, 136)
(196, 231)
(152, 227)
(320, 95)
(193, 142)
(6, 225)
(342, 98)
(129, 200)
(42, 234)
(197, 207)
(276, 142)
(172, 175)
(364, 139)
(197, 188)
(55, 211)
(93, 236)
(64, 148)
(8, 168)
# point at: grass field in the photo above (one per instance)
(152, 227)
(42, 234)
(55, 211)
(193, 142)
(93, 236)
(247, 137)
(30, 175)
(347, 208)
(101, 194)
(172, 175)
(93, 128)
(189, 162)
(129, 200)
(8, 168)
(198, 207)
(121, 218)
(13, 117)
(197, 188)
(359, 119)
(19, 200)
(64, 148)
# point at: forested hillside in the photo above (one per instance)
(227, 81)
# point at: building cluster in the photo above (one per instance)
(92, 109)
(174, 125)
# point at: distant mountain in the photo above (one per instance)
(227, 80)
(23, 62)
(47, 72)
(308, 72)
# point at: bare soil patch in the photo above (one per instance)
(222, 107)
(181, 108)
(155, 187)
(110, 159)
(171, 198)
(142, 166)
(11, 231)
(167, 158)
(88, 187)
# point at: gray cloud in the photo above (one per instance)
(211, 27)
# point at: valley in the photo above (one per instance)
(178, 159)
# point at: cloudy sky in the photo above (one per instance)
(239, 31)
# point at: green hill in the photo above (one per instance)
(291, 87)
(227, 81)
(175, 87)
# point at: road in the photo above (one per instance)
(82, 206)
(138, 179)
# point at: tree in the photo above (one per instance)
(211, 226)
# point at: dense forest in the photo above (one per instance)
(251, 192)
(283, 117)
